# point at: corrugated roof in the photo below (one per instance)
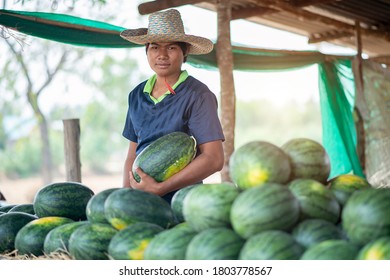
(332, 21)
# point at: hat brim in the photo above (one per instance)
(198, 45)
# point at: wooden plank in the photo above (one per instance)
(303, 3)
(243, 13)
(72, 149)
(328, 36)
(159, 5)
(228, 99)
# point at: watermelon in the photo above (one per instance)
(315, 200)
(90, 241)
(170, 244)
(259, 162)
(366, 215)
(25, 208)
(126, 206)
(6, 208)
(313, 231)
(130, 243)
(308, 159)
(57, 240)
(10, 224)
(271, 245)
(177, 202)
(166, 156)
(344, 185)
(209, 205)
(63, 199)
(95, 206)
(215, 244)
(331, 250)
(271, 206)
(31, 238)
(378, 249)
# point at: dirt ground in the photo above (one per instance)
(23, 190)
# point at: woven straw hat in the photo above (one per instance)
(167, 26)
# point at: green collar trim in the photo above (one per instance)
(152, 80)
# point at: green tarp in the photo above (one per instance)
(336, 83)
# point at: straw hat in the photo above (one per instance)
(167, 26)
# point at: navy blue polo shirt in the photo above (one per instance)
(193, 109)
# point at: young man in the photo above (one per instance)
(169, 101)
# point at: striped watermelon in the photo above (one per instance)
(271, 245)
(10, 224)
(312, 231)
(166, 156)
(209, 205)
(308, 159)
(331, 250)
(271, 206)
(378, 249)
(315, 200)
(130, 243)
(62, 199)
(171, 244)
(25, 208)
(90, 241)
(126, 206)
(344, 185)
(259, 162)
(366, 215)
(215, 244)
(57, 240)
(177, 202)
(31, 238)
(95, 206)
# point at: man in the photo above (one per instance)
(169, 101)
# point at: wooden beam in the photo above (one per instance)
(159, 5)
(328, 36)
(310, 17)
(228, 99)
(72, 150)
(304, 3)
(244, 13)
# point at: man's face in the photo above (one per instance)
(165, 58)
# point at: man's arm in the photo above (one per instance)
(129, 163)
(209, 161)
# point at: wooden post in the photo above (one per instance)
(72, 150)
(228, 98)
(361, 111)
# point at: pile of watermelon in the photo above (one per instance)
(280, 205)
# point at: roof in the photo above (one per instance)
(332, 21)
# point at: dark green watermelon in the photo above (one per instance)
(309, 159)
(331, 250)
(31, 238)
(259, 162)
(215, 244)
(90, 241)
(10, 224)
(170, 244)
(130, 243)
(95, 206)
(166, 156)
(57, 240)
(25, 208)
(177, 202)
(271, 245)
(126, 206)
(209, 205)
(366, 215)
(63, 199)
(271, 206)
(315, 200)
(312, 231)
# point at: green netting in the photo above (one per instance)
(337, 92)
(65, 29)
(336, 86)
